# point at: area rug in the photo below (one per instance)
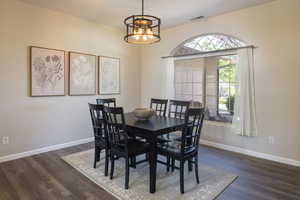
(212, 181)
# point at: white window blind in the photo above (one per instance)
(189, 77)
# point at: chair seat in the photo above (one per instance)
(173, 148)
(135, 147)
(176, 135)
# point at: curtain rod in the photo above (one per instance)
(210, 52)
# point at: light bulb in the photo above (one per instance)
(149, 31)
(137, 37)
(140, 31)
(144, 37)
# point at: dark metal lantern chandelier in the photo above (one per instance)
(142, 29)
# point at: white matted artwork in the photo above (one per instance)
(47, 72)
(109, 75)
(82, 74)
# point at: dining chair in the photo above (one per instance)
(178, 108)
(121, 145)
(110, 102)
(100, 135)
(160, 106)
(187, 148)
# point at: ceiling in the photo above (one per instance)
(172, 12)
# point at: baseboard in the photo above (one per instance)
(44, 149)
(252, 153)
(204, 142)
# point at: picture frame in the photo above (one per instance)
(109, 75)
(82, 74)
(47, 72)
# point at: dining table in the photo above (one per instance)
(150, 130)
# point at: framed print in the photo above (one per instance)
(82, 74)
(47, 72)
(109, 75)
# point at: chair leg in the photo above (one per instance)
(127, 174)
(133, 161)
(182, 176)
(168, 163)
(106, 162)
(190, 165)
(173, 164)
(99, 154)
(196, 169)
(112, 165)
(96, 156)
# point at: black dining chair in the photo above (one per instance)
(160, 106)
(178, 108)
(187, 148)
(110, 102)
(100, 135)
(121, 145)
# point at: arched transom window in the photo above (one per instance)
(207, 43)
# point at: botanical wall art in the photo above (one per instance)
(82, 74)
(47, 72)
(109, 75)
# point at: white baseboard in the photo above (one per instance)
(44, 149)
(252, 153)
(204, 142)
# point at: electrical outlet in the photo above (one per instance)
(271, 140)
(5, 140)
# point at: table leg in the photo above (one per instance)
(153, 162)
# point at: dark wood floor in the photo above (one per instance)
(46, 176)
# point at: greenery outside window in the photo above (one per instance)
(226, 86)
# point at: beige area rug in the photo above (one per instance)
(212, 181)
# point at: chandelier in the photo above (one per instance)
(142, 29)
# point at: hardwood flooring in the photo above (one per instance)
(46, 176)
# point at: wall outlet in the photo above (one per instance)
(271, 140)
(5, 140)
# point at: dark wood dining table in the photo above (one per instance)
(150, 130)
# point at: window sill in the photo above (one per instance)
(215, 123)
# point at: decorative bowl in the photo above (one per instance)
(143, 113)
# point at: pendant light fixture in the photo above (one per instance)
(142, 29)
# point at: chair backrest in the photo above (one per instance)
(116, 128)
(110, 102)
(177, 109)
(160, 106)
(192, 130)
(97, 115)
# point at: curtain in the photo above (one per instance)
(169, 79)
(244, 120)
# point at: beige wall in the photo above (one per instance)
(33, 123)
(275, 29)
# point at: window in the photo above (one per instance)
(208, 80)
(226, 86)
(207, 43)
(189, 76)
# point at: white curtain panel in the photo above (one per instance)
(244, 120)
(169, 79)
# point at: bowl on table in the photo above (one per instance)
(143, 113)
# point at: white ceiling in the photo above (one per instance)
(172, 12)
